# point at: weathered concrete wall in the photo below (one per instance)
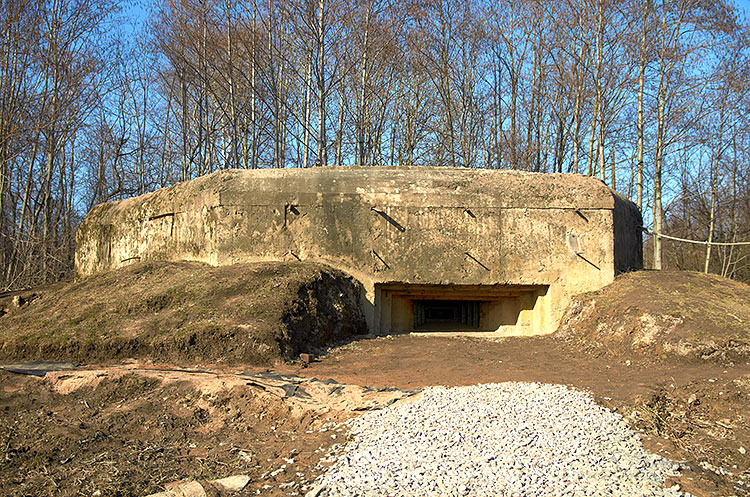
(628, 236)
(428, 226)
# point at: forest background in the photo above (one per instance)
(106, 99)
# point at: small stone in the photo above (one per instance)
(233, 483)
(315, 491)
(186, 489)
(742, 450)
(306, 358)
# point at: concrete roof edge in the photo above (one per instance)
(561, 190)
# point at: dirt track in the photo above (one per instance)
(132, 434)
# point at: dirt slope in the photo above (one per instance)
(664, 313)
(129, 435)
(184, 312)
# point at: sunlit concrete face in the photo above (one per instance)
(435, 249)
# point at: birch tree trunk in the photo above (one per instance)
(714, 173)
(658, 161)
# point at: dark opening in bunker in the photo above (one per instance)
(446, 314)
(510, 309)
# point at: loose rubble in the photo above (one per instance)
(511, 439)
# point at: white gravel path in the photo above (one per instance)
(506, 439)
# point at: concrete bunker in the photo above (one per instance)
(435, 249)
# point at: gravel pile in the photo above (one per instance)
(523, 439)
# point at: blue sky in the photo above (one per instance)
(744, 5)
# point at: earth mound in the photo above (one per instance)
(184, 312)
(664, 313)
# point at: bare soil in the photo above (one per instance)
(664, 313)
(131, 436)
(129, 433)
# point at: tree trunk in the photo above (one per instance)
(363, 118)
(641, 92)
(714, 173)
(658, 160)
(306, 118)
(232, 99)
(254, 95)
(340, 127)
(322, 145)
